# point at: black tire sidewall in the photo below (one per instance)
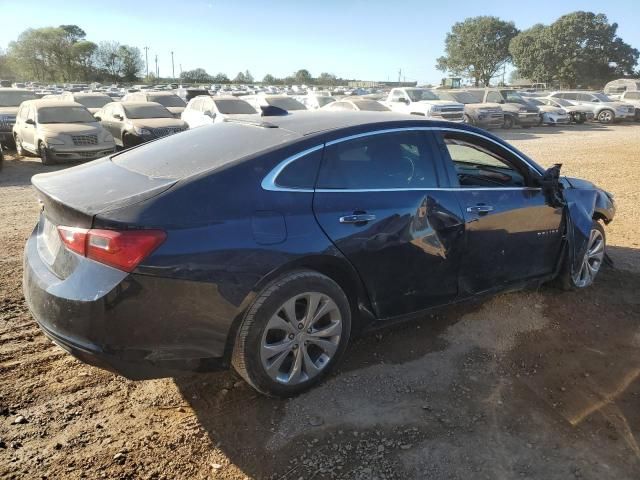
(259, 314)
(565, 279)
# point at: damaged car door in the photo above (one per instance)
(377, 199)
(512, 232)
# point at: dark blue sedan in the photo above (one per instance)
(267, 245)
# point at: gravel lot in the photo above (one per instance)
(536, 384)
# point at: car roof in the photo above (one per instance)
(41, 103)
(309, 122)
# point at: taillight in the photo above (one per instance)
(119, 249)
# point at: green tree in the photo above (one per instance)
(240, 78)
(221, 78)
(198, 75)
(581, 48)
(477, 48)
(303, 77)
(327, 79)
(108, 59)
(269, 79)
(248, 77)
(132, 62)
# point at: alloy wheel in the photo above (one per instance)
(605, 116)
(301, 338)
(592, 260)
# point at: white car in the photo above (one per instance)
(206, 110)
(551, 115)
(604, 108)
(357, 105)
(423, 102)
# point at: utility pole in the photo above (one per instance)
(173, 70)
(146, 57)
(157, 71)
(399, 75)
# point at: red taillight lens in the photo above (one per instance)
(120, 249)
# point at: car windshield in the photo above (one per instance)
(370, 105)
(167, 100)
(535, 101)
(461, 97)
(417, 95)
(64, 115)
(94, 102)
(513, 97)
(147, 111)
(14, 99)
(234, 107)
(322, 101)
(285, 103)
(602, 97)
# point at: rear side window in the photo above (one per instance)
(301, 173)
(384, 161)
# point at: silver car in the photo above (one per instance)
(604, 108)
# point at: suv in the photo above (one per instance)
(604, 109)
(169, 100)
(133, 123)
(423, 102)
(57, 130)
(517, 111)
(10, 100)
(632, 97)
(93, 101)
(485, 115)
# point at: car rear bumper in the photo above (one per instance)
(137, 326)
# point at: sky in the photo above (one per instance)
(367, 40)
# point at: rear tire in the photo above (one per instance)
(508, 122)
(591, 264)
(606, 116)
(295, 332)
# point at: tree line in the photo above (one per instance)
(580, 49)
(63, 54)
(300, 77)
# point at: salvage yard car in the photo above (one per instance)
(60, 131)
(267, 246)
(550, 114)
(632, 97)
(517, 111)
(356, 105)
(10, 100)
(484, 115)
(604, 108)
(423, 102)
(133, 123)
(577, 114)
(169, 100)
(205, 110)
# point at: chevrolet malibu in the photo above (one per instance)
(267, 245)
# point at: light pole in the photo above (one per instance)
(173, 70)
(146, 57)
(157, 72)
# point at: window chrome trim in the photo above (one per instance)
(425, 189)
(269, 181)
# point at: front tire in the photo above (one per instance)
(508, 122)
(591, 262)
(20, 151)
(45, 155)
(294, 334)
(606, 116)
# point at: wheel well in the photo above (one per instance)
(600, 217)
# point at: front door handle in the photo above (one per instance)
(480, 209)
(358, 218)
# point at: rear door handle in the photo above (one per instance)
(480, 209)
(358, 218)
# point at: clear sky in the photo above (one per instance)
(365, 39)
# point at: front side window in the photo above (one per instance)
(383, 161)
(480, 163)
(494, 97)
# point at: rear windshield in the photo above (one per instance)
(167, 100)
(233, 107)
(286, 103)
(14, 99)
(371, 106)
(65, 115)
(94, 102)
(201, 149)
(322, 101)
(147, 111)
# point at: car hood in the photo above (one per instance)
(157, 122)
(550, 109)
(70, 128)
(440, 103)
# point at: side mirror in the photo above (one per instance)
(117, 116)
(595, 100)
(209, 114)
(403, 100)
(98, 118)
(30, 121)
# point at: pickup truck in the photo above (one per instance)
(420, 101)
(632, 97)
(517, 111)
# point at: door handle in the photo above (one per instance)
(480, 209)
(358, 218)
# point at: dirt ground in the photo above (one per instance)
(540, 384)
